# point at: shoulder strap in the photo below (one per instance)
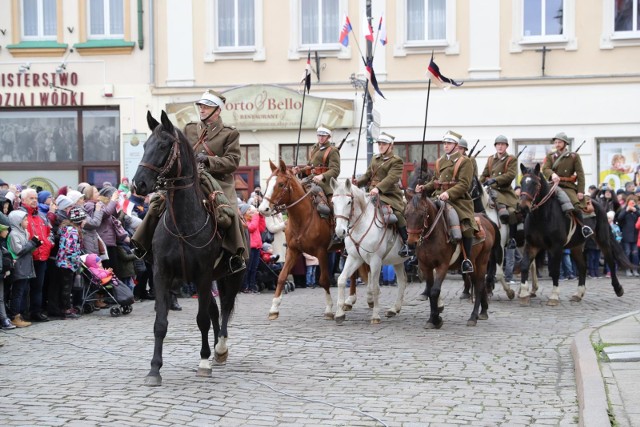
(490, 163)
(456, 166)
(438, 165)
(506, 164)
(326, 155)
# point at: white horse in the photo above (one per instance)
(367, 240)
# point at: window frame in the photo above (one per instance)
(40, 21)
(566, 41)
(107, 22)
(449, 45)
(235, 47)
(214, 52)
(297, 50)
(610, 37)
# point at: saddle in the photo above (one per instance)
(319, 200)
(216, 202)
(388, 217)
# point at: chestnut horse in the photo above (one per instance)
(306, 232)
(427, 228)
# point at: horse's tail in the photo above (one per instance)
(497, 250)
(606, 240)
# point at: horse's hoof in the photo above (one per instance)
(437, 325)
(220, 358)
(483, 316)
(203, 372)
(554, 302)
(525, 301)
(465, 295)
(375, 321)
(533, 295)
(511, 294)
(153, 380)
(273, 316)
(347, 307)
(370, 304)
(329, 316)
(472, 322)
(422, 297)
(575, 298)
(429, 325)
(619, 291)
(340, 319)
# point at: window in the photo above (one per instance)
(627, 14)
(424, 26)
(287, 153)
(101, 136)
(39, 20)
(542, 17)
(236, 23)
(319, 22)
(106, 19)
(426, 20)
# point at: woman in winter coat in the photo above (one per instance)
(255, 225)
(627, 218)
(276, 225)
(91, 241)
(106, 230)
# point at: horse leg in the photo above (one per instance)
(528, 257)
(289, 261)
(204, 318)
(325, 282)
(350, 266)
(578, 255)
(435, 321)
(609, 258)
(555, 258)
(375, 264)
(228, 287)
(401, 277)
(160, 325)
(478, 287)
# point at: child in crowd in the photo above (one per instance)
(68, 258)
(615, 232)
(266, 253)
(312, 265)
(126, 267)
(255, 226)
(5, 270)
(21, 246)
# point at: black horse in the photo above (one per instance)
(547, 227)
(186, 243)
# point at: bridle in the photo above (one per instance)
(428, 229)
(278, 205)
(538, 188)
(168, 183)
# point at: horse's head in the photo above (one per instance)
(279, 188)
(419, 213)
(532, 186)
(419, 175)
(342, 205)
(167, 157)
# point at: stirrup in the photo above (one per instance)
(139, 252)
(236, 264)
(587, 231)
(405, 251)
(467, 266)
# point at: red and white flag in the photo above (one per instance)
(368, 31)
(382, 31)
(124, 204)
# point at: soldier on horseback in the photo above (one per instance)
(564, 168)
(498, 175)
(381, 179)
(452, 184)
(217, 149)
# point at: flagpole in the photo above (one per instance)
(295, 160)
(426, 114)
(364, 97)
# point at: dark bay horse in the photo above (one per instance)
(427, 228)
(186, 243)
(547, 227)
(305, 232)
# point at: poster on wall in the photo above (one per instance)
(133, 151)
(619, 163)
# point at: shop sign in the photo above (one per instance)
(39, 90)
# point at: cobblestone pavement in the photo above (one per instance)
(514, 369)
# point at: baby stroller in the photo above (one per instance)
(267, 276)
(113, 289)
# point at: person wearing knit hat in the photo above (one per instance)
(77, 215)
(3, 185)
(244, 207)
(76, 197)
(62, 191)
(564, 168)
(44, 201)
(107, 191)
(452, 183)
(382, 178)
(64, 203)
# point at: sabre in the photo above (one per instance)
(580, 146)
(521, 151)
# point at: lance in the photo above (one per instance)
(580, 146)
(473, 148)
(364, 97)
(343, 140)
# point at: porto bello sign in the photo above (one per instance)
(265, 107)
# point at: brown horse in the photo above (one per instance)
(427, 229)
(306, 232)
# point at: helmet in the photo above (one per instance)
(211, 98)
(463, 143)
(501, 139)
(562, 137)
(385, 138)
(451, 136)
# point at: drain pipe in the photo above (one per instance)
(152, 46)
(140, 29)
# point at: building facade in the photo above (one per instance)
(77, 78)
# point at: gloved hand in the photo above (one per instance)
(36, 241)
(202, 158)
(489, 182)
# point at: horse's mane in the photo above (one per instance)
(359, 196)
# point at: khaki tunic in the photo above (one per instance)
(384, 173)
(221, 144)
(570, 171)
(332, 164)
(504, 170)
(459, 196)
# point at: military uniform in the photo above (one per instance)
(504, 170)
(324, 160)
(384, 173)
(568, 167)
(457, 187)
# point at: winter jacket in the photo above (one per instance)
(90, 243)
(105, 230)
(69, 248)
(253, 225)
(39, 226)
(20, 246)
(638, 232)
(627, 222)
(125, 267)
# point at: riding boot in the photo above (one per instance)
(406, 250)
(323, 209)
(467, 266)
(503, 214)
(586, 230)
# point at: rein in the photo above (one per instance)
(278, 206)
(353, 225)
(425, 235)
(538, 184)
